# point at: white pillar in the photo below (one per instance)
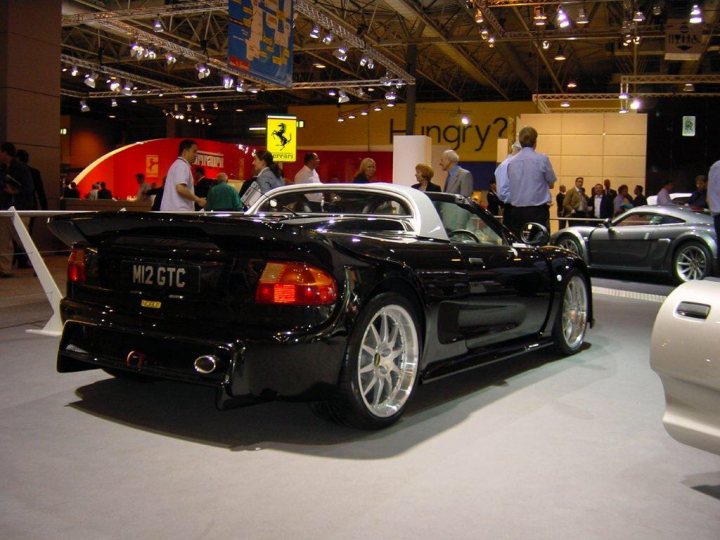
(408, 151)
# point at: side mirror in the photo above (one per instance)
(534, 234)
(607, 223)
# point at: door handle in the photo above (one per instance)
(476, 260)
(693, 310)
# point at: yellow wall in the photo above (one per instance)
(593, 145)
(439, 121)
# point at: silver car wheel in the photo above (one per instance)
(569, 243)
(691, 262)
(388, 361)
(574, 312)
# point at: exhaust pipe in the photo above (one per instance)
(206, 364)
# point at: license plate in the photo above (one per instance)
(165, 276)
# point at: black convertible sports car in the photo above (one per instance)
(343, 294)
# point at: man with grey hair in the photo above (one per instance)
(530, 176)
(458, 180)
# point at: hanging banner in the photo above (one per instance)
(683, 41)
(260, 39)
(281, 137)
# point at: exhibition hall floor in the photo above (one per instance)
(539, 447)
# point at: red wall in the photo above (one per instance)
(153, 158)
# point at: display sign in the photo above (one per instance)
(688, 126)
(683, 41)
(281, 137)
(260, 39)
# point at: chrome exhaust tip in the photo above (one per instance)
(206, 364)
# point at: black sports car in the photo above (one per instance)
(343, 294)
(678, 241)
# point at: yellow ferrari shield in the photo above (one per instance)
(281, 137)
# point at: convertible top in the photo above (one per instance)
(422, 215)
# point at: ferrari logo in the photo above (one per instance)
(281, 137)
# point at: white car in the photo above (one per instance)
(685, 354)
(677, 198)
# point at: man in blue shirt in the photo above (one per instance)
(530, 178)
(501, 179)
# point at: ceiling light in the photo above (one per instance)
(74, 71)
(377, 108)
(315, 32)
(689, 87)
(539, 17)
(341, 119)
(623, 94)
(133, 101)
(327, 40)
(351, 116)
(465, 120)
(572, 84)
(560, 54)
(696, 15)
(390, 95)
(562, 19)
(240, 86)
(363, 112)
(565, 104)
(111, 116)
(113, 102)
(115, 85)
(127, 88)
(228, 82)
(203, 71)
(343, 97)
(623, 109)
(84, 106)
(635, 104)
(158, 26)
(340, 54)
(479, 16)
(638, 17)
(150, 53)
(319, 65)
(390, 104)
(90, 79)
(582, 17)
(170, 58)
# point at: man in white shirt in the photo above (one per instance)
(308, 174)
(179, 194)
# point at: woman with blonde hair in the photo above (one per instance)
(365, 172)
(424, 174)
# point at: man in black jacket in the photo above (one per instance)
(601, 202)
(16, 190)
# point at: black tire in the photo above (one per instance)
(691, 260)
(381, 366)
(570, 243)
(129, 375)
(572, 315)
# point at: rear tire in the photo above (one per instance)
(572, 317)
(571, 244)
(691, 261)
(381, 366)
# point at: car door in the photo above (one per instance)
(508, 293)
(625, 243)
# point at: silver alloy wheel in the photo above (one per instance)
(691, 263)
(574, 312)
(569, 243)
(388, 361)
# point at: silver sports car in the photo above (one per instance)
(673, 240)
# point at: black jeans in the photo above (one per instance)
(522, 214)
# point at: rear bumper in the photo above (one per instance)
(245, 370)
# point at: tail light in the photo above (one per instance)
(76, 265)
(295, 284)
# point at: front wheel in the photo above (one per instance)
(381, 365)
(572, 318)
(691, 261)
(571, 244)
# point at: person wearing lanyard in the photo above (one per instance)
(179, 194)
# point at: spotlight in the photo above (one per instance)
(638, 17)
(113, 102)
(390, 95)
(562, 19)
(150, 53)
(215, 106)
(545, 45)
(479, 19)
(340, 54)
(363, 112)
(565, 104)
(582, 17)
(484, 34)
(315, 32)
(90, 79)
(623, 94)
(332, 93)
(572, 84)
(202, 71)
(385, 80)
(636, 40)
(327, 40)
(370, 63)
(491, 41)
(363, 61)
(137, 50)
(84, 106)
(202, 107)
(341, 119)
(158, 26)
(170, 58)
(240, 86)
(560, 55)
(343, 97)
(74, 71)
(188, 107)
(377, 108)
(539, 17)
(351, 116)
(390, 104)
(689, 87)
(115, 85)
(635, 104)
(228, 82)
(127, 88)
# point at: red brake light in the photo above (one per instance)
(76, 266)
(295, 284)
